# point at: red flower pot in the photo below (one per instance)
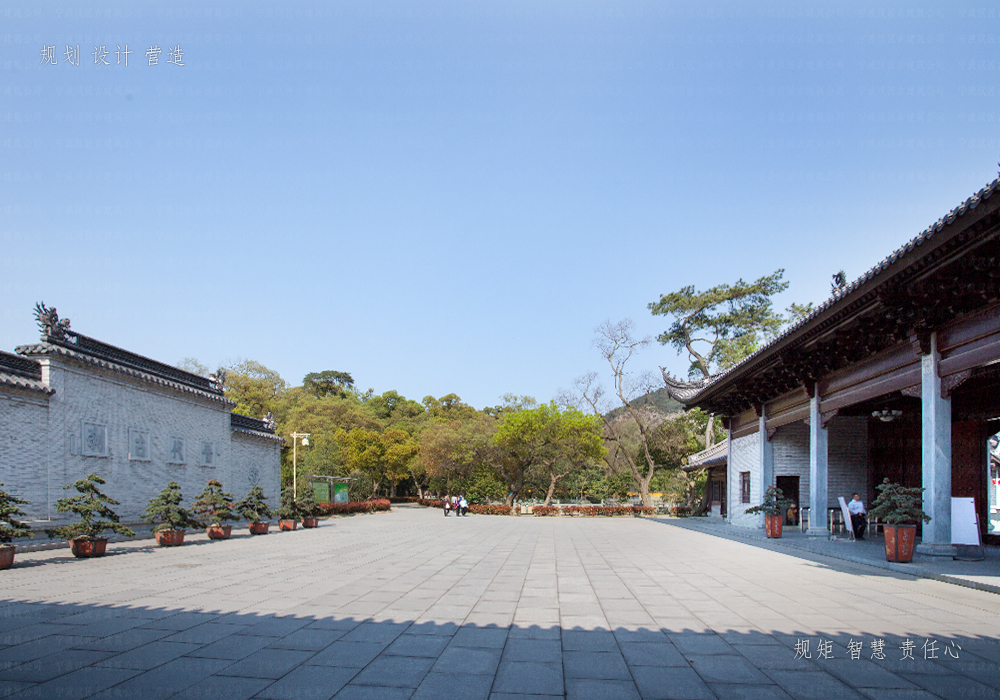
(219, 532)
(310, 522)
(170, 538)
(258, 528)
(287, 524)
(899, 540)
(84, 548)
(7, 556)
(773, 525)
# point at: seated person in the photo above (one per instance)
(792, 515)
(859, 516)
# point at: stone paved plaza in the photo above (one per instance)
(409, 604)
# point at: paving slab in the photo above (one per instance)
(408, 604)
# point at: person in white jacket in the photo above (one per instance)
(859, 516)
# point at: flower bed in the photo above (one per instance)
(404, 499)
(594, 511)
(374, 506)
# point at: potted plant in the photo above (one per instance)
(309, 509)
(96, 517)
(215, 507)
(774, 506)
(169, 517)
(288, 512)
(10, 527)
(254, 508)
(898, 507)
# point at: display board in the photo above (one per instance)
(964, 523)
(340, 493)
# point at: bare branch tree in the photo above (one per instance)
(618, 344)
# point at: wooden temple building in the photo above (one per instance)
(896, 376)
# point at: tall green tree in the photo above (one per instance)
(384, 455)
(320, 384)
(255, 388)
(627, 436)
(722, 325)
(551, 440)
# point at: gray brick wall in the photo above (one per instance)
(847, 464)
(41, 446)
(24, 420)
(745, 457)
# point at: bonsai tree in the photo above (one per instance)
(289, 509)
(254, 507)
(10, 526)
(214, 506)
(897, 504)
(94, 510)
(166, 512)
(774, 503)
(308, 506)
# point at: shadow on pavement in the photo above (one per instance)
(55, 650)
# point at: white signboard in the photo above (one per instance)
(847, 515)
(964, 524)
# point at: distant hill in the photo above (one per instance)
(659, 401)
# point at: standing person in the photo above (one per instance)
(463, 505)
(447, 505)
(454, 505)
(859, 516)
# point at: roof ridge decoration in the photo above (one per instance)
(58, 339)
(49, 323)
(838, 294)
(679, 390)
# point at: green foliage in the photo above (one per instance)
(774, 503)
(10, 526)
(94, 510)
(254, 507)
(165, 512)
(308, 506)
(381, 455)
(483, 486)
(728, 322)
(255, 388)
(545, 438)
(289, 508)
(362, 488)
(897, 504)
(328, 382)
(214, 506)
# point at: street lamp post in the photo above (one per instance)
(305, 443)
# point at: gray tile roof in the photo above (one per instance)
(19, 382)
(692, 392)
(45, 348)
(714, 456)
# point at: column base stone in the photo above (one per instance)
(936, 550)
(818, 532)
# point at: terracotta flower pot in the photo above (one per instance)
(7, 556)
(310, 522)
(287, 524)
(899, 540)
(170, 538)
(773, 525)
(258, 528)
(92, 547)
(219, 532)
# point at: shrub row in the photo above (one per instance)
(404, 499)
(594, 511)
(373, 506)
(489, 510)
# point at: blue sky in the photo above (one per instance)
(450, 197)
